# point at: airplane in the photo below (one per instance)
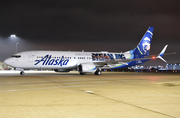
(85, 62)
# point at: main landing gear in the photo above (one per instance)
(98, 72)
(82, 73)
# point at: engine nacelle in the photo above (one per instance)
(61, 70)
(87, 68)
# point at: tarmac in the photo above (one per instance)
(69, 95)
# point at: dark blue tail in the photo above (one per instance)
(143, 48)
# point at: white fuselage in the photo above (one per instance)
(61, 59)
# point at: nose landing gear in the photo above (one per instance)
(22, 73)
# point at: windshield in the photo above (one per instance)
(16, 56)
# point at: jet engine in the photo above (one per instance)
(61, 70)
(87, 68)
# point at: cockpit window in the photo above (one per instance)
(16, 56)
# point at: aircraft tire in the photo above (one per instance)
(82, 73)
(22, 73)
(98, 72)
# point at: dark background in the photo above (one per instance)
(90, 25)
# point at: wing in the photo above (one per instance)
(120, 61)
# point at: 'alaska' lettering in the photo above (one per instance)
(46, 60)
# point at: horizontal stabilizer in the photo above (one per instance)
(170, 53)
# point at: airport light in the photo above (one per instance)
(13, 35)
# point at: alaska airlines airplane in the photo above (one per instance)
(84, 62)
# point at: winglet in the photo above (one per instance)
(162, 52)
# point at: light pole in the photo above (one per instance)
(16, 46)
(12, 37)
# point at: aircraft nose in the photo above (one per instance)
(8, 61)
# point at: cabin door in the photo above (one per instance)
(31, 56)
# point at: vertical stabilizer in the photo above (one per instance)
(143, 48)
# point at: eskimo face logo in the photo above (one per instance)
(146, 45)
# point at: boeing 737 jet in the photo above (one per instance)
(84, 62)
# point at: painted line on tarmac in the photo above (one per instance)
(130, 104)
(75, 86)
(86, 80)
(12, 90)
(72, 83)
(35, 85)
(76, 81)
(40, 82)
(157, 95)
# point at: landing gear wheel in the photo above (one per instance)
(82, 73)
(98, 72)
(22, 73)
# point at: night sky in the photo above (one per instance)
(90, 25)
